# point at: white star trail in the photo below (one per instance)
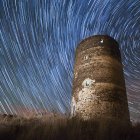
(38, 39)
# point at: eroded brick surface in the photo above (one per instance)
(98, 86)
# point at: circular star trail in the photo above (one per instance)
(38, 39)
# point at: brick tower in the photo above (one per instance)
(99, 88)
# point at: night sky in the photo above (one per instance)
(38, 39)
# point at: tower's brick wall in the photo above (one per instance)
(99, 87)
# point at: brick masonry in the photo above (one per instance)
(98, 86)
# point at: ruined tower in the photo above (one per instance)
(99, 87)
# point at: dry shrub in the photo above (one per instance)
(62, 128)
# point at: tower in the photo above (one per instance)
(99, 87)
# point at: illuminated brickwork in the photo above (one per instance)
(99, 87)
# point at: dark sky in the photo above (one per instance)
(38, 39)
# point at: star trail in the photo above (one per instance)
(38, 39)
